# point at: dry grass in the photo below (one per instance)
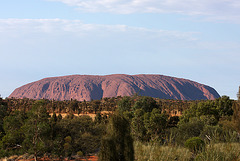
(157, 152)
(221, 152)
(92, 115)
(212, 152)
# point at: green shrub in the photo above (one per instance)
(195, 144)
(80, 153)
(187, 130)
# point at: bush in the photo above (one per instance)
(187, 130)
(80, 153)
(195, 144)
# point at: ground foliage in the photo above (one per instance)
(27, 127)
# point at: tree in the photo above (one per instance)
(14, 136)
(199, 109)
(88, 143)
(108, 149)
(218, 108)
(117, 144)
(138, 128)
(85, 136)
(145, 103)
(73, 105)
(96, 105)
(98, 118)
(224, 106)
(3, 113)
(37, 129)
(56, 141)
(155, 123)
(125, 104)
(68, 146)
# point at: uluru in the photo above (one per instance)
(91, 87)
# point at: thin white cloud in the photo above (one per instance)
(28, 29)
(34, 31)
(227, 10)
(78, 28)
(42, 25)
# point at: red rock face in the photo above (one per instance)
(87, 87)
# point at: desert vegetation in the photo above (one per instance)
(136, 128)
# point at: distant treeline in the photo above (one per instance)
(174, 107)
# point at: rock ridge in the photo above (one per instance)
(88, 87)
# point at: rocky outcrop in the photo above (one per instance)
(87, 87)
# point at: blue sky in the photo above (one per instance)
(196, 40)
